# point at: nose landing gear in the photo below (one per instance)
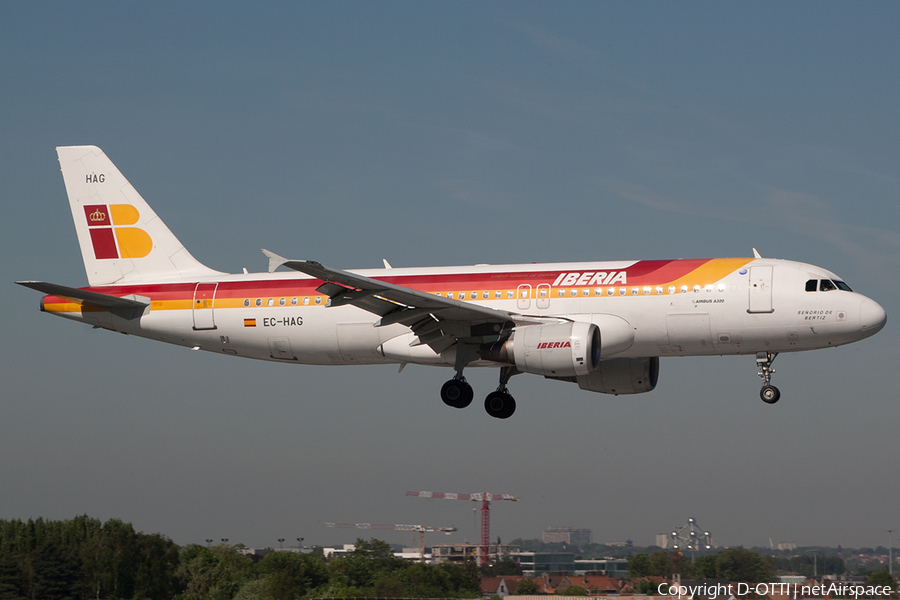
(769, 393)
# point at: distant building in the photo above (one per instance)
(538, 563)
(614, 567)
(567, 535)
(461, 553)
(625, 544)
(787, 545)
(662, 540)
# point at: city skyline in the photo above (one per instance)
(452, 134)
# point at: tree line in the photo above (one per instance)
(83, 558)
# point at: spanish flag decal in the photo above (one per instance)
(249, 322)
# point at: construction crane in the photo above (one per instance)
(485, 500)
(421, 529)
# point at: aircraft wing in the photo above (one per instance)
(436, 321)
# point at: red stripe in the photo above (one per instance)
(104, 243)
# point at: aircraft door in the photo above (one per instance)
(760, 290)
(523, 297)
(204, 299)
(543, 295)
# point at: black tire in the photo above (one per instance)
(770, 394)
(457, 394)
(500, 405)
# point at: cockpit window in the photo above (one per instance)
(812, 285)
(842, 286)
(826, 285)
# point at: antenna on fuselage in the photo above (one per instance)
(756, 254)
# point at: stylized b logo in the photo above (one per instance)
(110, 234)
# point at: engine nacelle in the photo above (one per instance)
(622, 376)
(557, 350)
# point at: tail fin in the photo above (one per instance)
(121, 238)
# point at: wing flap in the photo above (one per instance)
(437, 321)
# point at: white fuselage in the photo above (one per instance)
(762, 306)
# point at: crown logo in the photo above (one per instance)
(97, 215)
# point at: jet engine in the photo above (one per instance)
(555, 350)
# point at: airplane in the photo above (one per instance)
(600, 325)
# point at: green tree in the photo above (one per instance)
(388, 586)
(645, 587)
(290, 575)
(507, 566)
(639, 565)
(10, 577)
(660, 564)
(56, 571)
(704, 567)
(369, 561)
(739, 564)
(527, 587)
(574, 590)
(881, 578)
(215, 573)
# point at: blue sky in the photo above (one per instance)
(439, 134)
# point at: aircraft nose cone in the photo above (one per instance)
(872, 317)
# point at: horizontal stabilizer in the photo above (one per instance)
(104, 301)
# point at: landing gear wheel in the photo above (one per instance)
(457, 393)
(500, 405)
(770, 394)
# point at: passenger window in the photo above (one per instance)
(811, 285)
(270, 302)
(498, 294)
(562, 293)
(646, 291)
(598, 292)
(684, 289)
(543, 292)
(282, 302)
(294, 301)
(318, 299)
(306, 301)
(509, 294)
(473, 295)
(585, 292)
(610, 291)
(485, 295)
(622, 291)
(259, 301)
(671, 289)
(826, 285)
(247, 302)
(696, 288)
(659, 290)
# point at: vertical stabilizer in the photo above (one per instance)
(121, 238)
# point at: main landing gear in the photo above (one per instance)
(457, 392)
(499, 403)
(769, 393)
